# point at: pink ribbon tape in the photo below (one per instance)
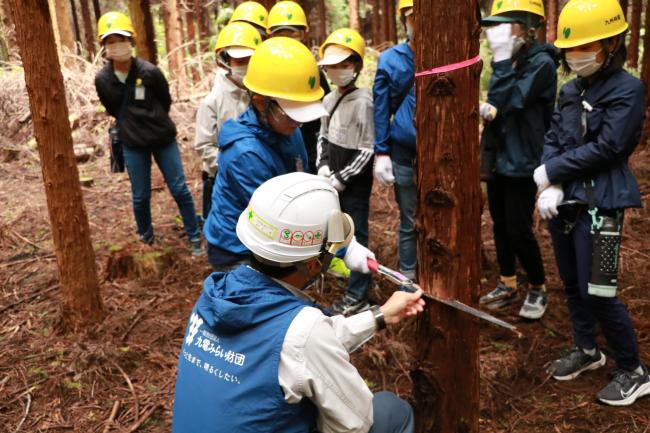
(449, 68)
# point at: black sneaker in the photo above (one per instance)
(500, 293)
(195, 248)
(576, 362)
(349, 305)
(625, 387)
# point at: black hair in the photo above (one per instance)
(271, 270)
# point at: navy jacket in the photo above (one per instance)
(249, 155)
(524, 96)
(613, 128)
(227, 380)
(394, 80)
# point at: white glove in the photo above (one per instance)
(488, 111)
(549, 200)
(541, 178)
(384, 170)
(337, 184)
(500, 41)
(356, 257)
(325, 171)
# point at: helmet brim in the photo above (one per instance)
(303, 112)
(495, 20)
(116, 32)
(335, 54)
(239, 52)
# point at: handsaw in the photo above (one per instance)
(408, 285)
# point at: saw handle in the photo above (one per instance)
(373, 265)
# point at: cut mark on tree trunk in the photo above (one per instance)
(439, 198)
(441, 86)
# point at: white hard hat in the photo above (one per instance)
(287, 218)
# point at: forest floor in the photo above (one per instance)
(119, 375)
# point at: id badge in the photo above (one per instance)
(139, 93)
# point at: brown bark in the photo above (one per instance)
(624, 4)
(89, 34)
(175, 52)
(75, 24)
(353, 6)
(191, 39)
(392, 23)
(446, 376)
(81, 302)
(203, 24)
(63, 24)
(145, 44)
(374, 22)
(551, 21)
(7, 36)
(322, 22)
(97, 9)
(635, 33)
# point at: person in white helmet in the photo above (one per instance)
(258, 354)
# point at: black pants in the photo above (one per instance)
(208, 186)
(512, 202)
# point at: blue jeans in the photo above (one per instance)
(406, 193)
(138, 165)
(356, 203)
(573, 257)
(391, 414)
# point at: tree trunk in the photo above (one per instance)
(624, 6)
(375, 22)
(81, 302)
(322, 22)
(203, 25)
(392, 23)
(175, 52)
(635, 33)
(7, 36)
(63, 24)
(191, 39)
(385, 21)
(353, 6)
(97, 9)
(446, 377)
(89, 34)
(75, 23)
(145, 43)
(551, 21)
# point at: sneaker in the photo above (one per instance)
(576, 362)
(349, 305)
(534, 305)
(501, 292)
(338, 268)
(625, 387)
(195, 248)
(149, 240)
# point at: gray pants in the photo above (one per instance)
(392, 414)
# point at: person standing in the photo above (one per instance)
(136, 94)
(394, 108)
(517, 114)
(586, 186)
(345, 146)
(228, 99)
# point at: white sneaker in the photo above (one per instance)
(534, 305)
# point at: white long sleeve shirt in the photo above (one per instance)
(225, 101)
(315, 364)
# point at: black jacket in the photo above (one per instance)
(145, 122)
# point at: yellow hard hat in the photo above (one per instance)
(284, 68)
(403, 4)
(251, 12)
(585, 21)
(240, 39)
(114, 23)
(533, 6)
(287, 13)
(349, 39)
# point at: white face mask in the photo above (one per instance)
(341, 77)
(119, 51)
(584, 64)
(238, 73)
(410, 31)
